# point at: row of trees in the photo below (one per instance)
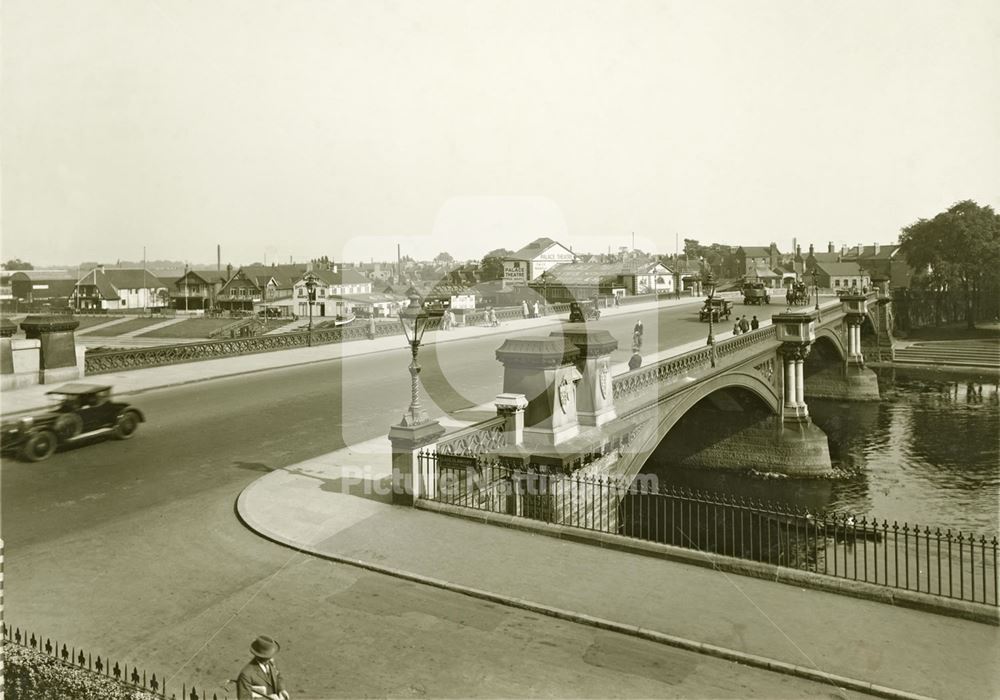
(956, 251)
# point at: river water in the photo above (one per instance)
(928, 454)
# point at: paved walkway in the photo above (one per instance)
(337, 506)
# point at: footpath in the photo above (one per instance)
(336, 506)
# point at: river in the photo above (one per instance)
(927, 454)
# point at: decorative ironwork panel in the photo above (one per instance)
(481, 438)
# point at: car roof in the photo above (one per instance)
(78, 388)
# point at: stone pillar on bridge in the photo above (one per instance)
(595, 402)
(407, 442)
(796, 332)
(511, 407)
(60, 360)
(544, 371)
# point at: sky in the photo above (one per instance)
(292, 129)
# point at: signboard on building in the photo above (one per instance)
(463, 301)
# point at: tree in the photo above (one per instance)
(18, 264)
(960, 247)
(444, 257)
(491, 267)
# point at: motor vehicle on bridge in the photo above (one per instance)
(755, 293)
(580, 311)
(716, 307)
(82, 411)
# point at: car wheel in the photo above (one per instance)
(40, 445)
(126, 425)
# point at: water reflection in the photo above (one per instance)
(927, 454)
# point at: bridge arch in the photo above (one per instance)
(759, 383)
(829, 338)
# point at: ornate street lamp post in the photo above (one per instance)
(414, 321)
(310, 282)
(709, 282)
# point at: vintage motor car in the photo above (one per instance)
(717, 308)
(580, 311)
(82, 411)
(755, 293)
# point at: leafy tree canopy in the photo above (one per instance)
(18, 264)
(962, 242)
(444, 257)
(959, 247)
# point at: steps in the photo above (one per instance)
(962, 353)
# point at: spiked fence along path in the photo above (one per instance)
(115, 672)
(960, 353)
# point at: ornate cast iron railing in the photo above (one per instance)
(486, 436)
(958, 565)
(671, 368)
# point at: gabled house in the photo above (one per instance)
(336, 293)
(750, 259)
(528, 263)
(194, 291)
(258, 284)
(119, 289)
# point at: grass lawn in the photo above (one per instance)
(126, 327)
(90, 321)
(201, 328)
(189, 328)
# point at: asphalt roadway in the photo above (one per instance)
(131, 550)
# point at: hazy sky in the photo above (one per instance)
(295, 128)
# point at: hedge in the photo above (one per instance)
(33, 675)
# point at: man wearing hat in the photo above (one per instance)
(260, 678)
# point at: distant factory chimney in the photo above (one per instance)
(218, 258)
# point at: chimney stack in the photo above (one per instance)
(811, 253)
(829, 247)
(843, 250)
(876, 247)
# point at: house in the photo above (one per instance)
(194, 291)
(333, 291)
(830, 256)
(256, 285)
(882, 261)
(580, 280)
(54, 287)
(840, 276)
(528, 263)
(119, 289)
(750, 259)
(687, 275)
(766, 276)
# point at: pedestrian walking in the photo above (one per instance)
(744, 324)
(451, 319)
(260, 678)
(524, 308)
(736, 328)
(536, 310)
(754, 323)
(494, 321)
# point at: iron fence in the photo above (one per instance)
(134, 678)
(925, 560)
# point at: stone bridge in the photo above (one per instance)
(740, 403)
